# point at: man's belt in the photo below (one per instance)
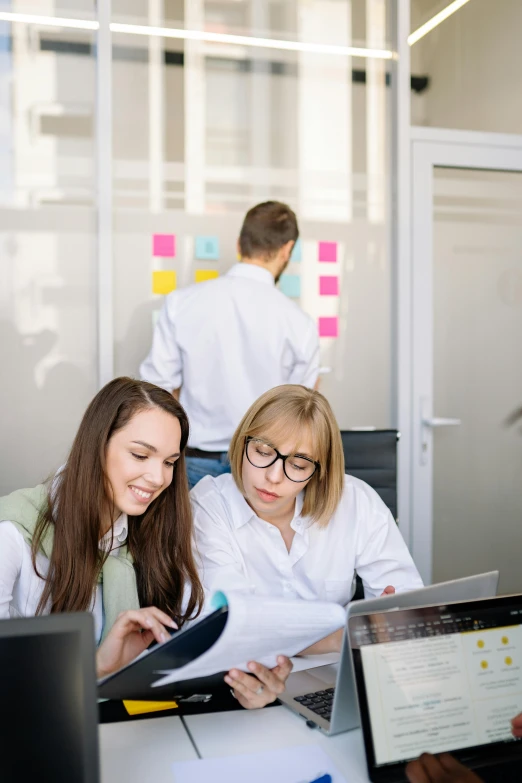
(217, 455)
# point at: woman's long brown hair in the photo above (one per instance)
(160, 540)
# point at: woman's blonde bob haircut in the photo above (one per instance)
(285, 414)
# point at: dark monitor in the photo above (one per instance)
(48, 715)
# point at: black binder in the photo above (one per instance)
(134, 681)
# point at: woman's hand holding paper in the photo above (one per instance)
(256, 691)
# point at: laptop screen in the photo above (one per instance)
(440, 678)
(47, 718)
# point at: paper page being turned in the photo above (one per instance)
(259, 629)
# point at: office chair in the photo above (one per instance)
(371, 455)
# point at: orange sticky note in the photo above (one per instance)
(141, 707)
(205, 274)
(163, 282)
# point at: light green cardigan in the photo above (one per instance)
(118, 579)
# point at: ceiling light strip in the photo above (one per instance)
(246, 40)
(48, 21)
(199, 35)
(435, 21)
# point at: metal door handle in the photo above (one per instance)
(437, 421)
(428, 423)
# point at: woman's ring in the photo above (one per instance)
(260, 690)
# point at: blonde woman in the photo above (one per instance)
(288, 521)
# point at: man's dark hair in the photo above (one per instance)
(266, 228)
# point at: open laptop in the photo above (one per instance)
(49, 718)
(443, 678)
(325, 696)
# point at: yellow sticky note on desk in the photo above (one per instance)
(205, 274)
(141, 707)
(163, 281)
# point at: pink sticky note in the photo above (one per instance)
(329, 286)
(329, 327)
(328, 251)
(164, 245)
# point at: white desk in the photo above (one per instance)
(248, 731)
(143, 750)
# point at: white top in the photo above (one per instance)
(239, 551)
(225, 342)
(20, 586)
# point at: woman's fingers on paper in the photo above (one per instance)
(151, 620)
(270, 678)
(246, 690)
(283, 668)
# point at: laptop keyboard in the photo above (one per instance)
(319, 702)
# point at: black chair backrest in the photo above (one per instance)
(371, 455)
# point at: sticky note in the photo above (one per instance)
(163, 281)
(205, 274)
(329, 285)
(328, 251)
(207, 248)
(290, 285)
(141, 707)
(296, 254)
(164, 245)
(329, 327)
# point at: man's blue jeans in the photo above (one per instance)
(199, 467)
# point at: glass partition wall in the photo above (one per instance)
(205, 108)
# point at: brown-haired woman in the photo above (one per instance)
(288, 522)
(113, 532)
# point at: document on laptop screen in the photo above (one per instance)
(442, 689)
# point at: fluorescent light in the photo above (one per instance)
(199, 35)
(435, 21)
(246, 40)
(48, 21)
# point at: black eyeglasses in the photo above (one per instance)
(296, 467)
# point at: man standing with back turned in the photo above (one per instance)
(222, 343)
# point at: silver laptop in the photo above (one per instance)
(326, 696)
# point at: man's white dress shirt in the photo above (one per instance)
(238, 551)
(21, 588)
(225, 342)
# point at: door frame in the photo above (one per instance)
(429, 148)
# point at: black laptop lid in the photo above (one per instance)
(48, 720)
(436, 679)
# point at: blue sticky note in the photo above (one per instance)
(207, 248)
(290, 285)
(296, 252)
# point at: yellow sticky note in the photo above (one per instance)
(163, 282)
(141, 707)
(206, 274)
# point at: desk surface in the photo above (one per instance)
(143, 750)
(232, 733)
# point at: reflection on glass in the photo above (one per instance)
(47, 246)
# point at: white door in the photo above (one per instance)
(466, 480)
